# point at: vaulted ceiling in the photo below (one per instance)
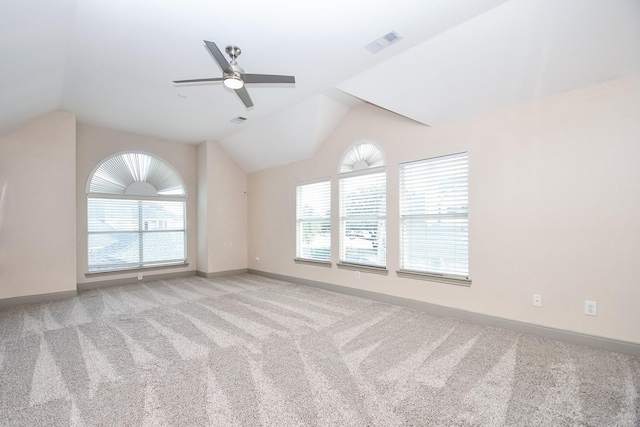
(112, 63)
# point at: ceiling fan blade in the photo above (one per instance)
(244, 96)
(267, 78)
(219, 57)
(214, 79)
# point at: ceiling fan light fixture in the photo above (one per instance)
(233, 82)
(233, 77)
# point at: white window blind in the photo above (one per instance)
(125, 233)
(116, 175)
(361, 156)
(434, 224)
(363, 218)
(313, 221)
(136, 214)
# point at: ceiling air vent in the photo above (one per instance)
(383, 42)
(239, 120)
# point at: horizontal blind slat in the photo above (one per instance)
(434, 215)
(135, 232)
(313, 217)
(363, 210)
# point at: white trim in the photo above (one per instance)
(124, 197)
(313, 181)
(313, 262)
(431, 158)
(365, 268)
(434, 277)
(361, 172)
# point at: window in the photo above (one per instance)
(136, 212)
(363, 206)
(434, 223)
(313, 221)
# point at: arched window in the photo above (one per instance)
(136, 211)
(363, 205)
(362, 155)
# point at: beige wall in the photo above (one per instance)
(554, 208)
(37, 211)
(222, 211)
(94, 145)
(44, 169)
(203, 208)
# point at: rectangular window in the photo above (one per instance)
(127, 234)
(434, 222)
(363, 219)
(313, 221)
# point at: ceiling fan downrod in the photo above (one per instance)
(233, 52)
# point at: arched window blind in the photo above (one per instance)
(136, 211)
(363, 155)
(130, 171)
(363, 206)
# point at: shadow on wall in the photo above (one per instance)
(3, 192)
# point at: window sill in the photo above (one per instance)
(434, 278)
(134, 270)
(363, 268)
(315, 262)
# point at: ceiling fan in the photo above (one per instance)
(234, 77)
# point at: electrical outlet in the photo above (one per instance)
(590, 308)
(139, 276)
(357, 274)
(537, 300)
(258, 259)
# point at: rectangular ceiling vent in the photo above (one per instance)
(383, 42)
(239, 120)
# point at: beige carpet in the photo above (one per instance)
(250, 351)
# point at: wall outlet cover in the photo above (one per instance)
(537, 300)
(590, 308)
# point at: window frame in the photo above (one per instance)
(137, 188)
(458, 217)
(344, 262)
(302, 219)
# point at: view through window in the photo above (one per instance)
(136, 212)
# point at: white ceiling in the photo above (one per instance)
(112, 63)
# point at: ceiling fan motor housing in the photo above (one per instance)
(233, 51)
